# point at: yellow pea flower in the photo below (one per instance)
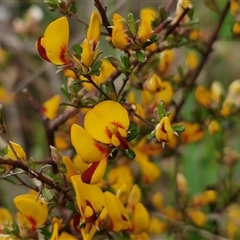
(108, 122)
(50, 107)
(52, 46)
(119, 37)
(197, 217)
(32, 214)
(163, 131)
(89, 200)
(140, 219)
(193, 133)
(90, 151)
(6, 220)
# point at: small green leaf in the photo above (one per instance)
(178, 127)
(32, 163)
(111, 90)
(52, 205)
(112, 155)
(130, 153)
(141, 56)
(133, 132)
(125, 61)
(160, 110)
(47, 195)
(212, 5)
(65, 92)
(180, 72)
(73, 8)
(97, 64)
(131, 24)
(114, 61)
(44, 231)
(71, 206)
(150, 135)
(77, 49)
(163, 14)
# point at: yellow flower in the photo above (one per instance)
(193, 133)
(71, 168)
(17, 154)
(33, 213)
(163, 131)
(234, 7)
(108, 122)
(119, 37)
(6, 220)
(116, 212)
(157, 226)
(90, 151)
(213, 127)
(134, 197)
(140, 219)
(197, 217)
(166, 59)
(50, 107)
(5, 96)
(89, 200)
(191, 60)
(162, 89)
(52, 46)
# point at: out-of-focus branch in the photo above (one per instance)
(102, 10)
(205, 55)
(32, 173)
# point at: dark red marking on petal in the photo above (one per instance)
(42, 50)
(94, 217)
(123, 141)
(103, 149)
(33, 222)
(88, 173)
(76, 221)
(62, 55)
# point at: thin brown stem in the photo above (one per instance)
(102, 10)
(205, 55)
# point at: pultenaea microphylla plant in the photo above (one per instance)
(136, 146)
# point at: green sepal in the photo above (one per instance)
(73, 8)
(112, 155)
(114, 61)
(45, 232)
(163, 14)
(32, 163)
(150, 135)
(153, 39)
(131, 24)
(178, 127)
(141, 57)
(65, 92)
(125, 61)
(71, 206)
(47, 195)
(111, 90)
(95, 68)
(160, 110)
(133, 132)
(130, 153)
(63, 168)
(78, 50)
(52, 205)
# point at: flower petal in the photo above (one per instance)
(87, 53)
(71, 168)
(50, 107)
(103, 114)
(95, 172)
(35, 211)
(94, 28)
(55, 41)
(18, 150)
(86, 147)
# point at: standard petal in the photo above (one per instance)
(35, 211)
(50, 107)
(98, 119)
(86, 147)
(56, 39)
(94, 28)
